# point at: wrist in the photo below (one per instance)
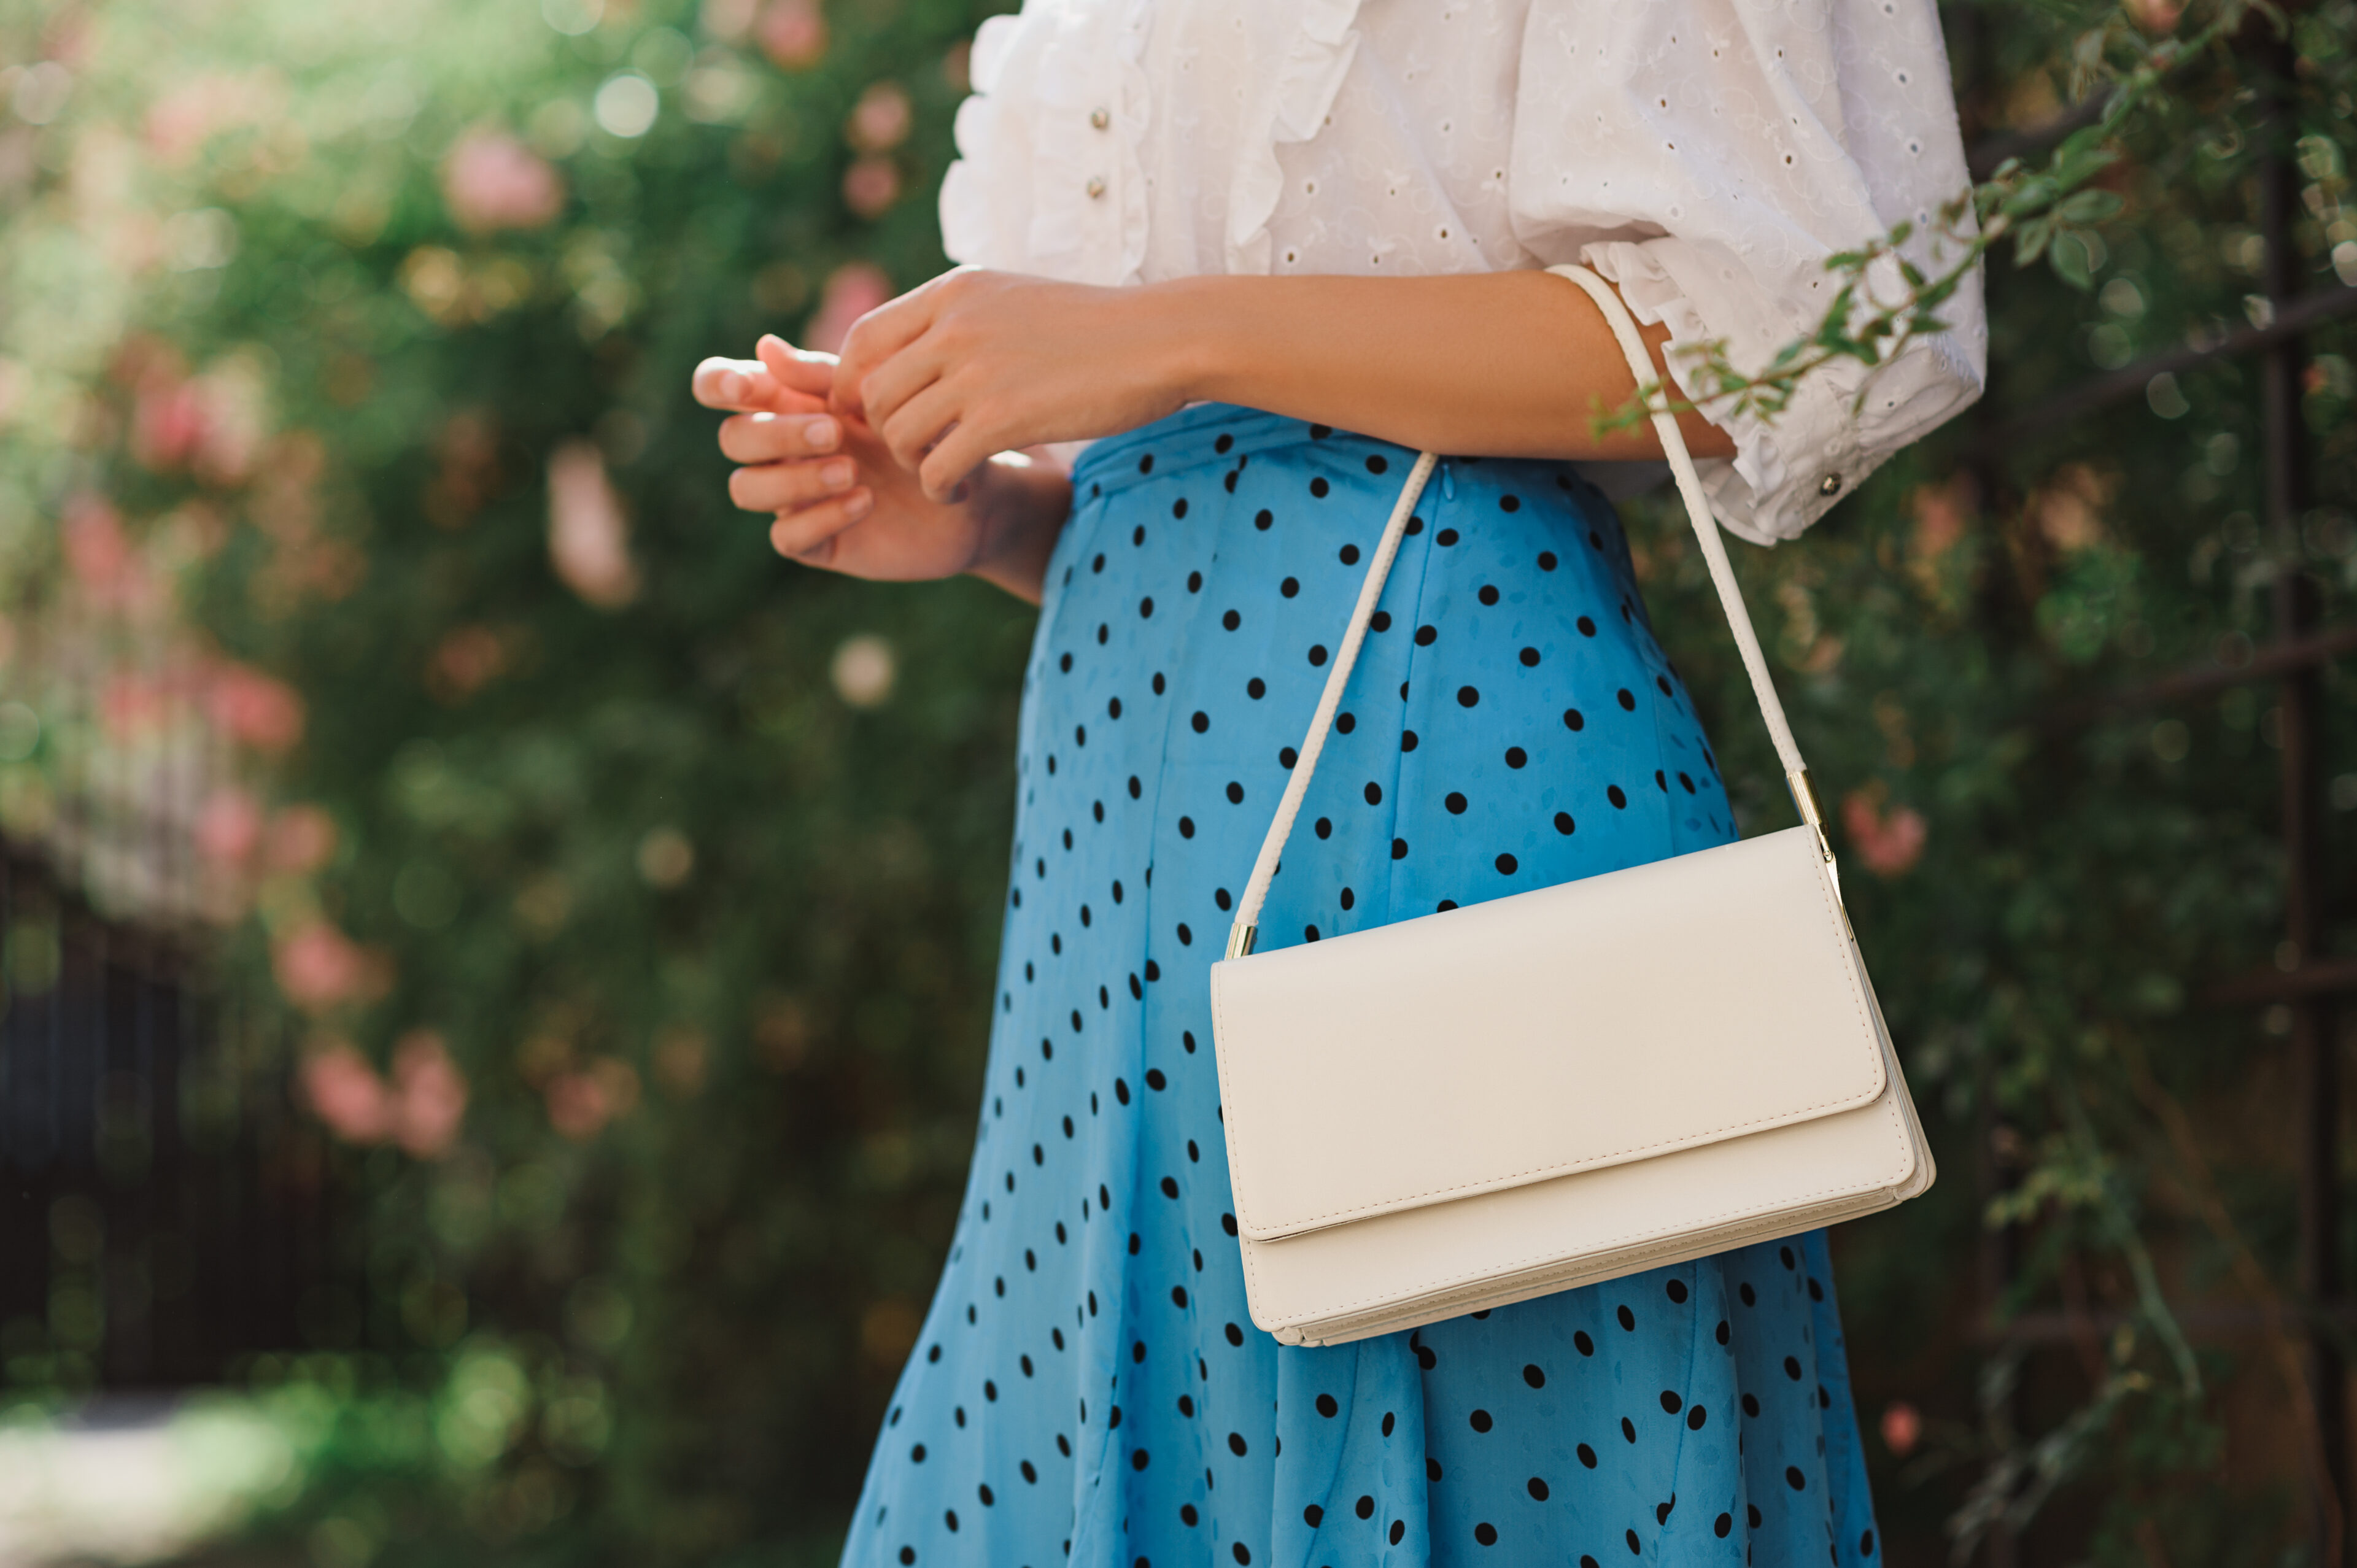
(1017, 506)
(1181, 337)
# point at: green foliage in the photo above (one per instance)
(690, 861)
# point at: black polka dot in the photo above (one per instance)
(1467, 696)
(1627, 699)
(1480, 1420)
(1313, 1516)
(1398, 1532)
(1794, 1479)
(1721, 1525)
(1236, 1445)
(1534, 1376)
(1319, 486)
(1619, 799)
(1487, 1534)
(1588, 1456)
(1376, 464)
(1327, 1407)
(1364, 1508)
(1563, 823)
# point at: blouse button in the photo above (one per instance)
(1828, 486)
(1097, 187)
(1100, 119)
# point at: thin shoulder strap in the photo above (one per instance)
(1722, 577)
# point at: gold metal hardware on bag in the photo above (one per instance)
(1805, 799)
(1240, 939)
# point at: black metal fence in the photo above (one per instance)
(2305, 983)
(164, 1210)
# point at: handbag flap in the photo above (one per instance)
(1622, 1017)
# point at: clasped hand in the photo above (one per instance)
(897, 461)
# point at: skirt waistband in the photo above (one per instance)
(1211, 433)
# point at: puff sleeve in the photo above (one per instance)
(1707, 156)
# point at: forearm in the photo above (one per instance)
(1498, 364)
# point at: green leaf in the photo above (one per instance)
(2068, 257)
(2088, 207)
(2030, 240)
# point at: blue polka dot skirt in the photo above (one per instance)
(1089, 1387)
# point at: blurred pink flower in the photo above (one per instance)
(421, 1110)
(301, 839)
(1902, 1427)
(851, 291)
(430, 1094)
(793, 33)
(870, 185)
(318, 967)
(209, 425)
(97, 550)
(263, 713)
(1889, 844)
(588, 534)
(581, 1102)
(229, 827)
(180, 121)
(880, 120)
(346, 1093)
(168, 422)
(492, 181)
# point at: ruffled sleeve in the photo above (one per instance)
(1707, 156)
(1048, 179)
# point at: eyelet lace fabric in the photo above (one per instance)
(1707, 155)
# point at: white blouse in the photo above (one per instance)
(1706, 155)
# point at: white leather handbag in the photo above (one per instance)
(1561, 1087)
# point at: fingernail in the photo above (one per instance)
(858, 505)
(838, 475)
(822, 434)
(732, 385)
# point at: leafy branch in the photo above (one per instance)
(2034, 208)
